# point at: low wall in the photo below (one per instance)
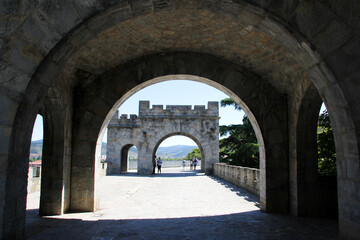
(34, 179)
(102, 169)
(166, 164)
(246, 178)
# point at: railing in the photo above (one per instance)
(166, 164)
(246, 178)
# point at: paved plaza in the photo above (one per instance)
(176, 204)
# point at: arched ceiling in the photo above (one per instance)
(248, 39)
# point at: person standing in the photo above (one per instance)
(159, 163)
(154, 164)
(191, 164)
(195, 161)
(183, 164)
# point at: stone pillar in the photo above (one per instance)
(112, 151)
(275, 171)
(14, 157)
(52, 170)
(83, 176)
(113, 156)
(144, 162)
(56, 163)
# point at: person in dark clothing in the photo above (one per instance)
(154, 164)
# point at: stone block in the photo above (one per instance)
(80, 36)
(9, 24)
(44, 34)
(23, 55)
(312, 17)
(9, 108)
(199, 107)
(83, 160)
(333, 36)
(347, 10)
(8, 7)
(346, 60)
(140, 7)
(83, 172)
(264, 4)
(5, 132)
(163, 4)
(105, 21)
(60, 14)
(91, 7)
(208, 4)
(319, 78)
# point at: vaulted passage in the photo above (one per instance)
(75, 63)
(175, 204)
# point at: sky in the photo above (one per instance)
(174, 92)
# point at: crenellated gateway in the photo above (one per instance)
(76, 62)
(153, 125)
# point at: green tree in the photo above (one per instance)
(195, 153)
(326, 146)
(240, 146)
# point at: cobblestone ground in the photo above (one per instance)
(176, 204)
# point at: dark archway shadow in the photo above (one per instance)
(246, 225)
(239, 191)
(185, 173)
(243, 225)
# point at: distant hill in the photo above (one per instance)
(177, 151)
(36, 147)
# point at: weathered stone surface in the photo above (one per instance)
(334, 35)
(157, 124)
(45, 34)
(60, 10)
(238, 32)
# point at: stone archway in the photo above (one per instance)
(124, 164)
(203, 157)
(153, 125)
(287, 45)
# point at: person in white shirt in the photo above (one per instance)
(159, 163)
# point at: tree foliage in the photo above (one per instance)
(326, 146)
(195, 153)
(240, 146)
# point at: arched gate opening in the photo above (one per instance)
(127, 45)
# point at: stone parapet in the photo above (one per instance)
(123, 121)
(246, 178)
(178, 111)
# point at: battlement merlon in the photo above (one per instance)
(115, 117)
(178, 110)
(123, 120)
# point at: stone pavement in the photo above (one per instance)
(176, 204)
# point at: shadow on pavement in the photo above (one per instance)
(184, 173)
(239, 191)
(246, 225)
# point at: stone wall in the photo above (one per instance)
(106, 50)
(166, 164)
(154, 125)
(246, 178)
(34, 179)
